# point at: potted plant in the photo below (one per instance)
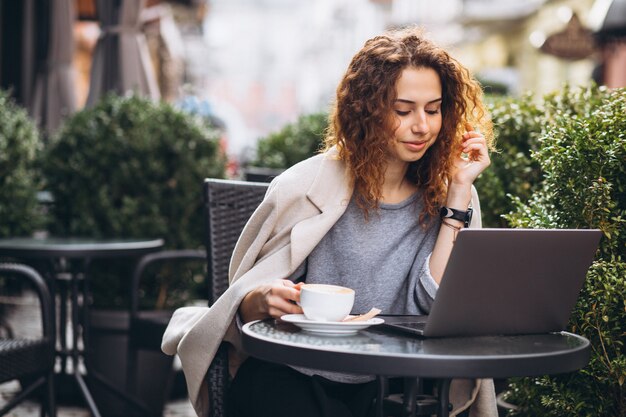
(20, 147)
(581, 152)
(286, 147)
(130, 168)
(517, 125)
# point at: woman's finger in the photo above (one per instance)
(281, 297)
(476, 146)
(287, 290)
(474, 139)
(472, 134)
(279, 307)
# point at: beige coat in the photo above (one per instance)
(300, 206)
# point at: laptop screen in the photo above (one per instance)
(511, 281)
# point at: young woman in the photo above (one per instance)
(377, 211)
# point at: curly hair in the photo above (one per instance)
(362, 121)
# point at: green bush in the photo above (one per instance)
(20, 146)
(130, 168)
(517, 125)
(582, 154)
(293, 143)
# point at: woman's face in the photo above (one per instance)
(418, 114)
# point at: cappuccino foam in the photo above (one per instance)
(328, 289)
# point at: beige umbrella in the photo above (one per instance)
(54, 96)
(121, 61)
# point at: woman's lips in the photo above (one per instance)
(415, 146)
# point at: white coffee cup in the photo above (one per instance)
(322, 302)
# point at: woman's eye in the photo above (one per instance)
(402, 113)
(436, 111)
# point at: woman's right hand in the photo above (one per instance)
(271, 300)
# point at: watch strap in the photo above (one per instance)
(464, 216)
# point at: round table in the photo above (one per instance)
(383, 352)
(51, 256)
(49, 248)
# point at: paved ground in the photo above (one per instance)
(177, 408)
(23, 317)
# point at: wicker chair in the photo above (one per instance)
(146, 327)
(228, 206)
(30, 359)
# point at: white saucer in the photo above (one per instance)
(330, 327)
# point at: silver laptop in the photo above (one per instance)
(507, 281)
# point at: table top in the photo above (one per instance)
(380, 351)
(76, 247)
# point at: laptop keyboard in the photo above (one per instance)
(418, 325)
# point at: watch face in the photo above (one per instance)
(468, 217)
(446, 212)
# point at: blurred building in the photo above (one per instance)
(535, 45)
(77, 50)
(608, 21)
(281, 59)
(259, 64)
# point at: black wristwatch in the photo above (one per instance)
(460, 215)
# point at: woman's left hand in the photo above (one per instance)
(467, 169)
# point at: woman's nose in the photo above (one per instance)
(419, 123)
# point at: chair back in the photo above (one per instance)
(228, 206)
(30, 360)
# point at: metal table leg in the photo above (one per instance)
(77, 326)
(443, 392)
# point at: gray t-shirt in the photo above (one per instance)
(384, 259)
